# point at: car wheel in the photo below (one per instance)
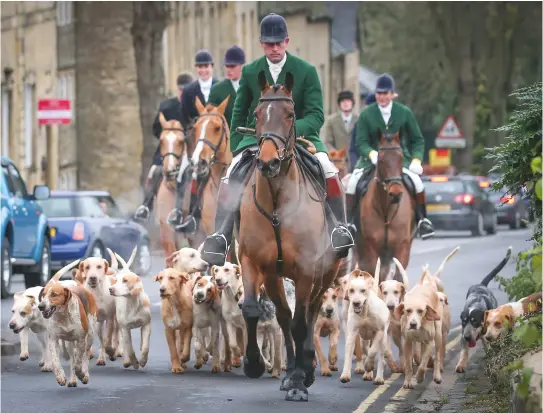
(41, 273)
(97, 250)
(142, 263)
(515, 224)
(6, 269)
(493, 228)
(478, 229)
(524, 220)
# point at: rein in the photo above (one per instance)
(216, 148)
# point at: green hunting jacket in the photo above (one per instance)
(371, 125)
(306, 93)
(219, 92)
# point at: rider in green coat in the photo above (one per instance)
(234, 59)
(308, 106)
(385, 115)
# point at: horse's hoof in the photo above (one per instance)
(286, 384)
(296, 395)
(254, 369)
(309, 378)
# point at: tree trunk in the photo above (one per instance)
(107, 105)
(467, 100)
(150, 19)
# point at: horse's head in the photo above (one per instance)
(212, 133)
(275, 120)
(338, 158)
(389, 165)
(172, 145)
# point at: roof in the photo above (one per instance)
(367, 78)
(344, 30)
(60, 193)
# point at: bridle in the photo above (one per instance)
(394, 179)
(215, 148)
(172, 175)
(275, 137)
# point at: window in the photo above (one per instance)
(451, 187)
(6, 120)
(89, 206)
(30, 116)
(9, 184)
(57, 207)
(64, 13)
(19, 187)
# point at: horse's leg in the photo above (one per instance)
(275, 290)
(253, 364)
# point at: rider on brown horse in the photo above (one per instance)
(171, 109)
(234, 59)
(391, 117)
(309, 120)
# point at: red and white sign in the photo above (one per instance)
(54, 112)
(450, 135)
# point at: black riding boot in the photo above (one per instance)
(151, 187)
(340, 236)
(190, 225)
(176, 214)
(426, 229)
(216, 246)
(350, 206)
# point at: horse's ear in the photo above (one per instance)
(332, 153)
(262, 81)
(341, 153)
(162, 120)
(289, 82)
(222, 107)
(199, 106)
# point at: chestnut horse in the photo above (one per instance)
(172, 149)
(338, 158)
(210, 160)
(387, 223)
(283, 232)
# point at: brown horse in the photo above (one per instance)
(172, 148)
(210, 160)
(387, 224)
(338, 158)
(283, 233)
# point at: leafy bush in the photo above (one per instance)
(517, 157)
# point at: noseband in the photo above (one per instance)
(171, 175)
(274, 137)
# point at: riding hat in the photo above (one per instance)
(203, 57)
(345, 94)
(183, 80)
(234, 56)
(385, 83)
(273, 29)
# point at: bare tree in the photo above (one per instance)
(150, 20)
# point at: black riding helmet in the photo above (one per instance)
(273, 29)
(203, 57)
(345, 94)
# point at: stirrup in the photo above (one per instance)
(342, 231)
(173, 217)
(212, 251)
(425, 231)
(189, 226)
(142, 212)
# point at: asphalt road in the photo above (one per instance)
(113, 389)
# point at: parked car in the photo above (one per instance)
(84, 223)
(512, 209)
(458, 203)
(25, 234)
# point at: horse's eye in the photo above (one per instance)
(290, 116)
(217, 128)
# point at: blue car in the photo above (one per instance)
(84, 223)
(25, 234)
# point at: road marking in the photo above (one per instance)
(402, 393)
(156, 304)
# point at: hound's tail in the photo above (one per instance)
(496, 270)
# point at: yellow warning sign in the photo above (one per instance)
(440, 157)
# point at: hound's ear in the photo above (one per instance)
(341, 153)
(40, 295)
(398, 311)
(485, 318)
(67, 295)
(106, 266)
(212, 270)
(237, 268)
(196, 281)
(289, 82)
(431, 314)
(155, 277)
(113, 280)
(355, 274)
(82, 266)
(262, 81)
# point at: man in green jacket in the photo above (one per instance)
(386, 115)
(234, 59)
(308, 106)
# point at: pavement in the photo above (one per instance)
(113, 389)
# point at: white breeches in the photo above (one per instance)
(327, 166)
(357, 173)
(183, 167)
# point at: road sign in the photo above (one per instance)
(439, 157)
(450, 135)
(54, 112)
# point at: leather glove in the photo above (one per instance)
(416, 166)
(373, 157)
